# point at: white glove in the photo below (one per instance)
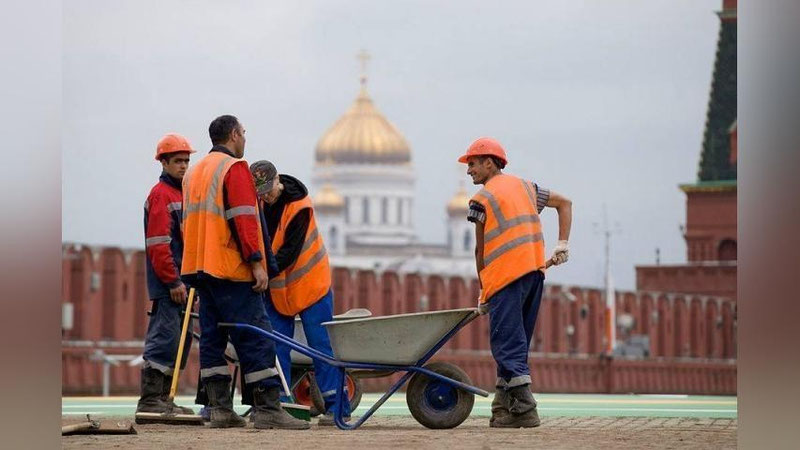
(230, 352)
(561, 253)
(483, 308)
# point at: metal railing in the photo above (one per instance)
(112, 360)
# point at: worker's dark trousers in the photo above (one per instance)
(317, 337)
(232, 301)
(163, 336)
(512, 316)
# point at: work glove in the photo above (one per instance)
(230, 352)
(561, 253)
(483, 308)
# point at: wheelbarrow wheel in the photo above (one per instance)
(437, 404)
(317, 402)
(306, 391)
(354, 392)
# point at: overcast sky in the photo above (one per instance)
(602, 101)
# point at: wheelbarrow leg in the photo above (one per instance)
(340, 397)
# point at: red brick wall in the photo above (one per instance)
(106, 287)
(81, 376)
(710, 234)
(717, 279)
(710, 219)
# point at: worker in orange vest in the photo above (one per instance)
(224, 258)
(510, 258)
(164, 248)
(302, 283)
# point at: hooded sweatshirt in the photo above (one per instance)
(293, 190)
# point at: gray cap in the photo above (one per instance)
(264, 175)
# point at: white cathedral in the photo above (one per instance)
(364, 183)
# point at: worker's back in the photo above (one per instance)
(513, 241)
(209, 246)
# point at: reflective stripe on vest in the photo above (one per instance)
(210, 202)
(209, 245)
(513, 241)
(297, 273)
(307, 280)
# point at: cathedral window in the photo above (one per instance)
(467, 240)
(365, 210)
(384, 210)
(399, 211)
(332, 238)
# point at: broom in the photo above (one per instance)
(301, 412)
(297, 410)
(173, 418)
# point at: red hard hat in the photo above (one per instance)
(485, 146)
(173, 143)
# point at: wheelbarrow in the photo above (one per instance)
(303, 383)
(439, 395)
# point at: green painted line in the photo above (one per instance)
(550, 405)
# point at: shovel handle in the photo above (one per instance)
(179, 359)
(67, 429)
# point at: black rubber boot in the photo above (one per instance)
(499, 405)
(152, 385)
(521, 408)
(268, 413)
(221, 405)
(167, 385)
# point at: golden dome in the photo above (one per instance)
(459, 204)
(363, 135)
(328, 199)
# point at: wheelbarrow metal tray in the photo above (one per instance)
(300, 334)
(401, 339)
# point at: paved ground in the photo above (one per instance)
(568, 421)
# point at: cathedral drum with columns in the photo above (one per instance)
(364, 183)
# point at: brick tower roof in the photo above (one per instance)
(715, 159)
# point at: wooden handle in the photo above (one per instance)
(283, 380)
(67, 429)
(187, 316)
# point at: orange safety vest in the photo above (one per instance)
(513, 244)
(307, 280)
(209, 246)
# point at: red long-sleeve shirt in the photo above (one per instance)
(163, 238)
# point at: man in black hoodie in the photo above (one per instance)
(302, 283)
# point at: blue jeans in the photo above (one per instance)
(512, 316)
(232, 301)
(163, 336)
(317, 336)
